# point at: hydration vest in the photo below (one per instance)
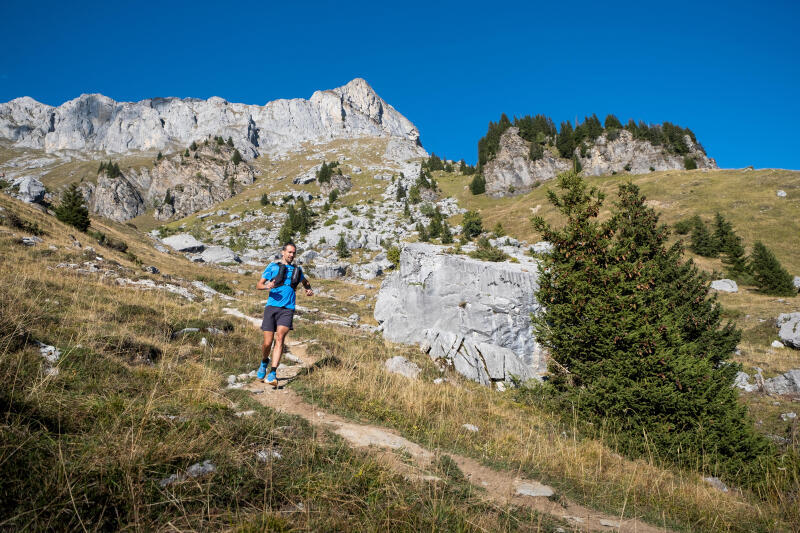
(280, 277)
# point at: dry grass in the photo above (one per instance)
(522, 438)
(87, 447)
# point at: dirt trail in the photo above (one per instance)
(500, 487)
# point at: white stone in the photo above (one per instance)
(27, 189)
(742, 381)
(183, 242)
(716, 483)
(788, 416)
(781, 193)
(777, 344)
(470, 427)
(400, 365)
(533, 489)
(219, 254)
(789, 329)
(786, 383)
(724, 285)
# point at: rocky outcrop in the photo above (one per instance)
(93, 122)
(340, 182)
(787, 383)
(789, 329)
(513, 172)
(724, 285)
(27, 189)
(175, 187)
(480, 310)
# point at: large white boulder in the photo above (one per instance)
(724, 285)
(468, 304)
(183, 242)
(27, 189)
(219, 254)
(786, 383)
(789, 329)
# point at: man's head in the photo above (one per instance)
(287, 252)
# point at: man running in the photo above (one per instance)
(281, 279)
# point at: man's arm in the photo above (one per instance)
(264, 284)
(307, 286)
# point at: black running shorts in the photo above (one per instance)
(276, 316)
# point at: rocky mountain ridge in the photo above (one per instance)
(177, 185)
(512, 171)
(93, 122)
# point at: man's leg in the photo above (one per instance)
(265, 347)
(277, 351)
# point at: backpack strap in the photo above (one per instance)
(280, 277)
(296, 274)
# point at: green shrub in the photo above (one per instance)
(393, 255)
(477, 185)
(768, 273)
(487, 252)
(683, 227)
(447, 235)
(341, 248)
(689, 163)
(264, 199)
(17, 222)
(702, 241)
(472, 224)
(72, 209)
(237, 157)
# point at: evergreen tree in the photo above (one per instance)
(186, 153)
(401, 192)
(566, 140)
(702, 242)
(689, 163)
(612, 122)
(237, 157)
(72, 209)
(768, 273)
(498, 230)
(536, 151)
(406, 210)
(285, 234)
(576, 164)
(341, 248)
(413, 195)
(636, 339)
(193, 146)
(230, 141)
(333, 196)
(477, 185)
(447, 235)
(435, 225)
(472, 225)
(264, 199)
(160, 156)
(423, 232)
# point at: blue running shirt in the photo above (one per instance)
(282, 296)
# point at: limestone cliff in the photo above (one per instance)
(93, 122)
(513, 172)
(176, 186)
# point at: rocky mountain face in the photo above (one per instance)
(471, 314)
(176, 186)
(512, 171)
(93, 122)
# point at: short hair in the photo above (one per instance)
(290, 243)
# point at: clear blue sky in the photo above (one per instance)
(728, 70)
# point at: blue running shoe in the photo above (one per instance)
(272, 379)
(262, 370)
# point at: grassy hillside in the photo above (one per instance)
(746, 197)
(88, 445)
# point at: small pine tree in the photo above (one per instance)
(160, 156)
(333, 196)
(406, 210)
(447, 235)
(285, 234)
(186, 153)
(472, 225)
(264, 199)
(230, 141)
(72, 209)
(689, 163)
(423, 232)
(193, 146)
(498, 230)
(576, 164)
(477, 185)
(413, 195)
(702, 241)
(237, 157)
(341, 248)
(401, 192)
(768, 273)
